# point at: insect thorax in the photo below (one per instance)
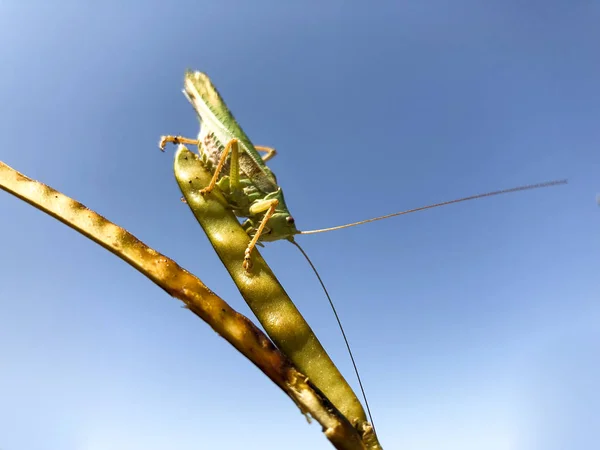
(211, 149)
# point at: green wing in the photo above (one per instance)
(215, 115)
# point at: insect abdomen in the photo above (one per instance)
(211, 150)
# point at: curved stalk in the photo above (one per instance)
(265, 296)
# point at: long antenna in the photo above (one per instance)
(341, 329)
(464, 199)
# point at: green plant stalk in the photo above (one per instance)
(262, 291)
(238, 330)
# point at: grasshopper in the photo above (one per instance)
(250, 187)
(241, 174)
(239, 171)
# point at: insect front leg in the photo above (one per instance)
(164, 140)
(260, 206)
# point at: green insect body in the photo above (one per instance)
(245, 180)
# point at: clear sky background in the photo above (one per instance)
(475, 326)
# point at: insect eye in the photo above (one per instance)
(289, 220)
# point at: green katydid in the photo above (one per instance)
(249, 186)
(245, 180)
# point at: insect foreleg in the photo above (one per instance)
(270, 152)
(164, 140)
(233, 146)
(256, 208)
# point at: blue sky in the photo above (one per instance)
(474, 326)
